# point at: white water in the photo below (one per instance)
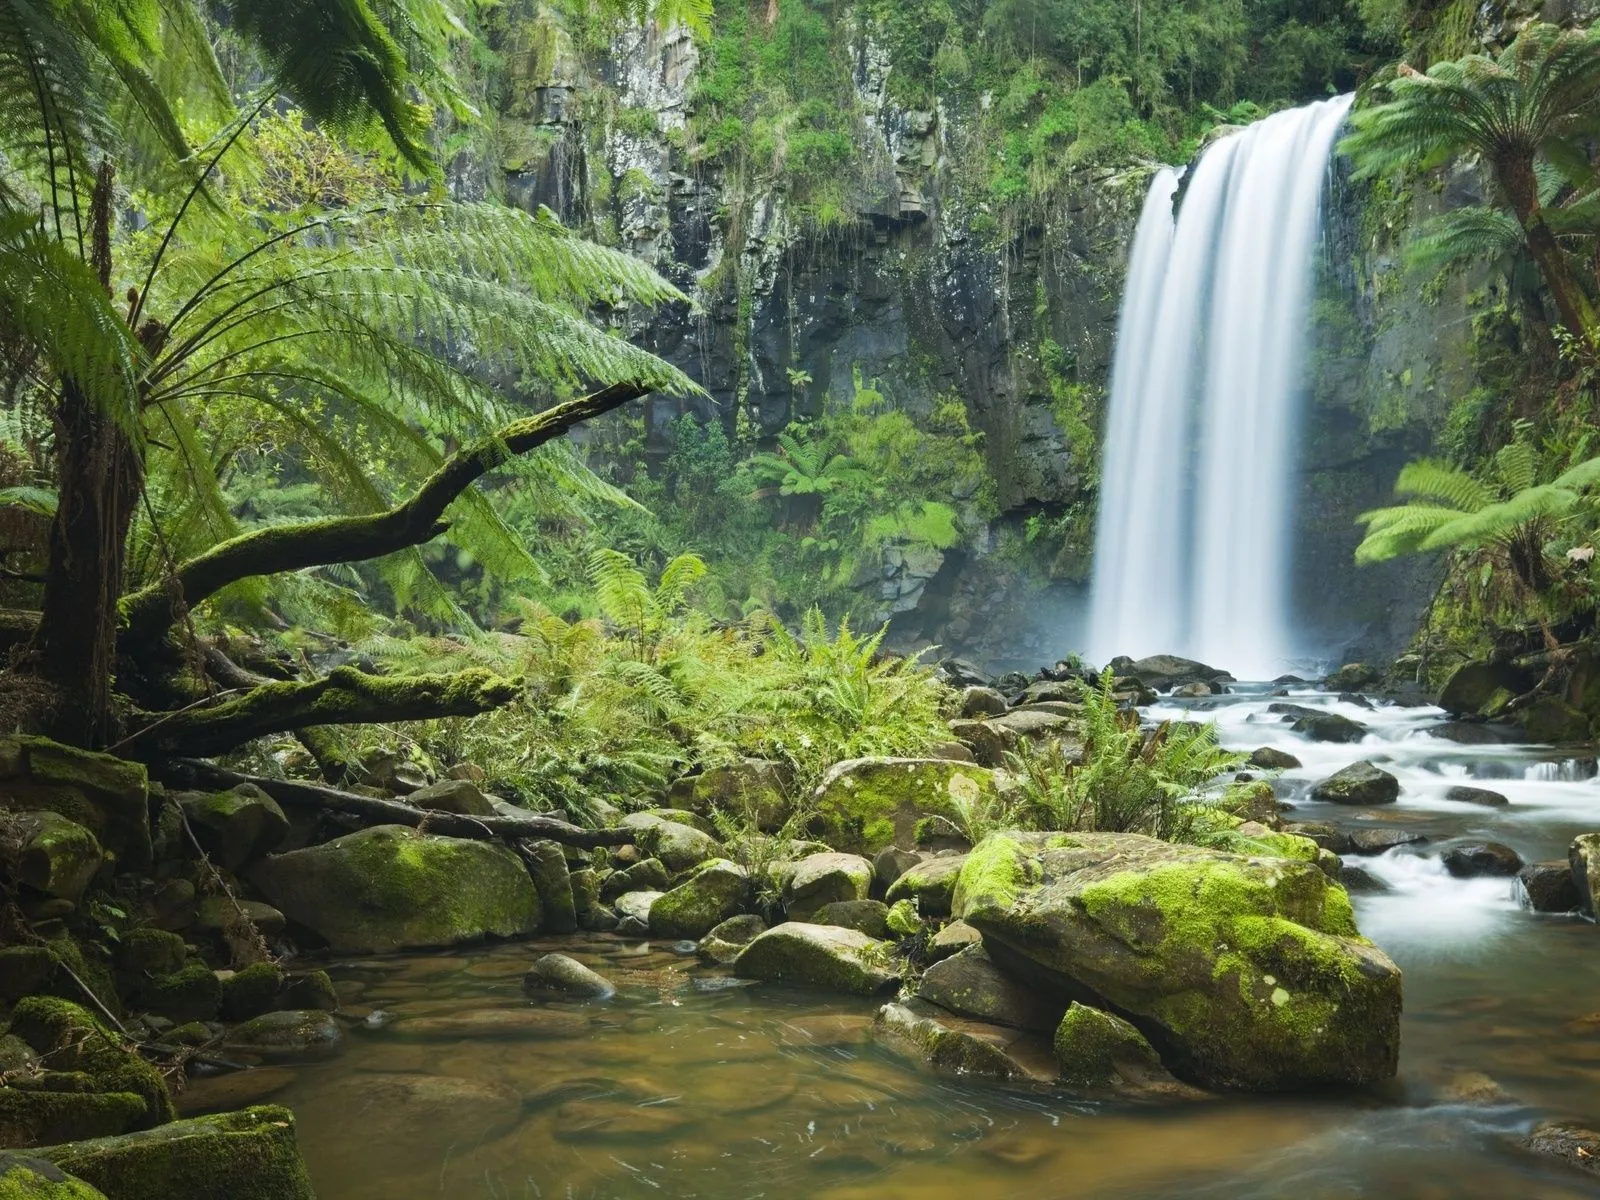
(1191, 549)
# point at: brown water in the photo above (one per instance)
(687, 1085)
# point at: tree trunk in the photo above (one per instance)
(1516, 177)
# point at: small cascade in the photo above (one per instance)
(1192, 543)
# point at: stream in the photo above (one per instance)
(687, 1084)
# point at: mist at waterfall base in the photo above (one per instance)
(1197, 480)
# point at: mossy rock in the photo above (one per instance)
(931, 884)
(40, 1117)
(953, 1046)
(68, 1038)
(547, 866)
(192, 993)
(679, 846)
(1359, 783)
(865, 804)
(1100, 1052)
(903, 920)
(1551, 721)
(651, 875)
(237, 826)
(26, 1178)
(149, 951)
(107, 795)
(824, 957)
(293, 1035)
(55, 856)
(311, 990)
(55, 969)
(246, 1155)
(1472, 688)
(724, 943)
(819, 879)
(756, 787)
(252, 991)
(968, 984)
(27, 970)
(1244, 972)
(391, 888)
(870, 917)
(716, 891)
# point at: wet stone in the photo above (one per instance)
(1547, 887)
(1469, 860)
(494, 1023)
(1482, 797)
(560, 975)
(1376, 841)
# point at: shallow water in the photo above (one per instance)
(685, 1086)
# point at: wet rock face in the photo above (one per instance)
(1243, 972)
(1547, 887)
(1359, 783)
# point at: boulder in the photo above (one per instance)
(72, 1040)
(633, 912)
(1244, 972)
(1467, 860)
(1099, 1052)
(1052, 691)
(982, 702)
(191, 993)
(890, 863)
(970, 985)
(1167, 671)
(677, 845)
(246, 1155)
(903, 920)
(559, 975)
(722, 944)
(819, 956)
(547, 867)
(820, 879)
(952, 939)
(984, 739)
(1481, 688)
(460, 796)
(313, 989)
(1359, 783)
(1574, 1145)
(1330, 727)
(953, 1046)
(252, 991)
(1551, 721)
(1547, 887)
(717, 890)
(147, 951)
(930, 883)
(54, 855)
(1353, 677)
(1356, 879)
(1482, 797)
(390, 888)
(237, 826)
(651, 875)
(1380, 841)
(1268, 758)
(26, 1178)
(108, 796)
(224, 914)
(755, 788)
(1583, 856)
(865, 804)
(58, 1106)
(870, 917)
(295, 1035)
(1031, 725)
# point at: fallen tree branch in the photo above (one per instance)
(375, 811)
(319, 743)
(345, 696)
(147, 614)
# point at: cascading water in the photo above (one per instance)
(1191, 548)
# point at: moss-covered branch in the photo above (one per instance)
(344, 696)
(375, 811)
(147, 614)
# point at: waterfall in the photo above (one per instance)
(1192, 542)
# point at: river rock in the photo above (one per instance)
(756, 788)
(1482, 797)
(952, 939)
(237, 826)
(1250, 972)
(390, 888)
(1098, 1052)
(889, 864)
(1167, 671)
(986, 742)
(494, 1024)
(1353, 677)
(1571, 1143)
(931, 883)
(951, 1045)
(54, 1107)
(1356, 879)
(722, 944)
(298, 1035)
(460, 796)
(651, 875)
(560, 975)
(252, 991)
(224, 914)
(717, 890)
(1551, 721)
(1359, 783)
(1269, 758)
(1547, 887)
(246, 1155)
(865, 804)
(819, 956)
(820, 879)
(69, 1039)
(1466, 860)
(1584, 858)
(870, 917)
(970, 985)
(679, 846)
(1330, 727)
(633, 913)
(413, 1121)
(1483, 688)
(982, 702)
(1379, 841)
(547, 867)
(54, 855)
(1031, 725)
(23, 1177)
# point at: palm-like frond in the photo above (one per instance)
(1430, 480)
(1464, 234)
(1499, 521)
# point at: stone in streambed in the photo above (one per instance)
(560, 975)
(1330, 727)
(678, 845)
(1482, 797)
(1379, 841)
(1571, 1143)
(1248, 972)
(820, 879)
(23, 1177)
(1097, 1051)
(633, 913)
(717, 890)
(389, 888)
(970, 985)
(252, 991)
(824, 957)
(870, 917)
(493, 1024)
(930, 883)
(1584, 858)
(1547, 887)
(723, 944)
(1467, 860)
(651, 875)
(60, 1106)
(1268, 758)
(1359, 783)
(54, 855)
(296, 1035)
(956, 1046)
(71, 1040)
(547, 867)
(1475, 688)
(236, 826)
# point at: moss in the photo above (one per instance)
(312, 990)
(192, 993)
(816, 956)
(903, 920)
(251, 992)
(993, 876)
(151, 951)
(865, 805)
(245, 1155)
(50, 969)
(67, 1037)
(35, 1116)
(715, 892)
(1092, 1045)
(107, 795)
(25, 1178)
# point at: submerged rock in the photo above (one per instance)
(1359, 783)
(390, 888)
(954, 1046)
(1245, 972)
(245, 1155)
(970, 985)
(819, 956)
(298, 1035)
(1571, 1143)
(717, 890)
(559, 975)
(1330, 727)
(1547, 887)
